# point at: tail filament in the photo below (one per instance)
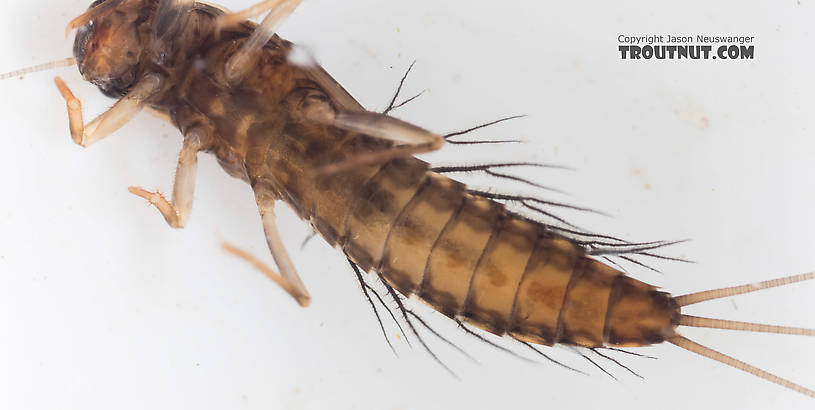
(694, 347)
(688, 320)
(698, 297)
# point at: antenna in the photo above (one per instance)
(40, 67)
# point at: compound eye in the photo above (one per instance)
(83, 34)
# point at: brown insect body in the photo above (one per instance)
(277, 125)
(466, 256)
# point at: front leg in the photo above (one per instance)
(112, 119)
(177, 212)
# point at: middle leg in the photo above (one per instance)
(177, 212)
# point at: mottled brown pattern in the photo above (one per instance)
(453, 261)
(379, 203)
(583, 314)
(464, 255)
(412, 237)
(638, 313)
(295, 135)
(542, 290)
(495, 282)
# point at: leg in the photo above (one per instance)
(232, 19)
(288, 278)
(112, 119)
(177, 212)
(242, 60)
(279, 10)
(169, 18)
(409, 139)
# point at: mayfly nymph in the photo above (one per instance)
(296, 136)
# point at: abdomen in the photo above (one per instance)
(470, 258)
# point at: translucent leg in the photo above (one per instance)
(112, 119)
(177, 212)
(409, 138)
(288, 279)
(243, 59)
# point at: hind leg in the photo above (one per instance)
(407, 138)
(288, 279)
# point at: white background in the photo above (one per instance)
(109, 308)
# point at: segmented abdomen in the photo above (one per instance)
(470, 258)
